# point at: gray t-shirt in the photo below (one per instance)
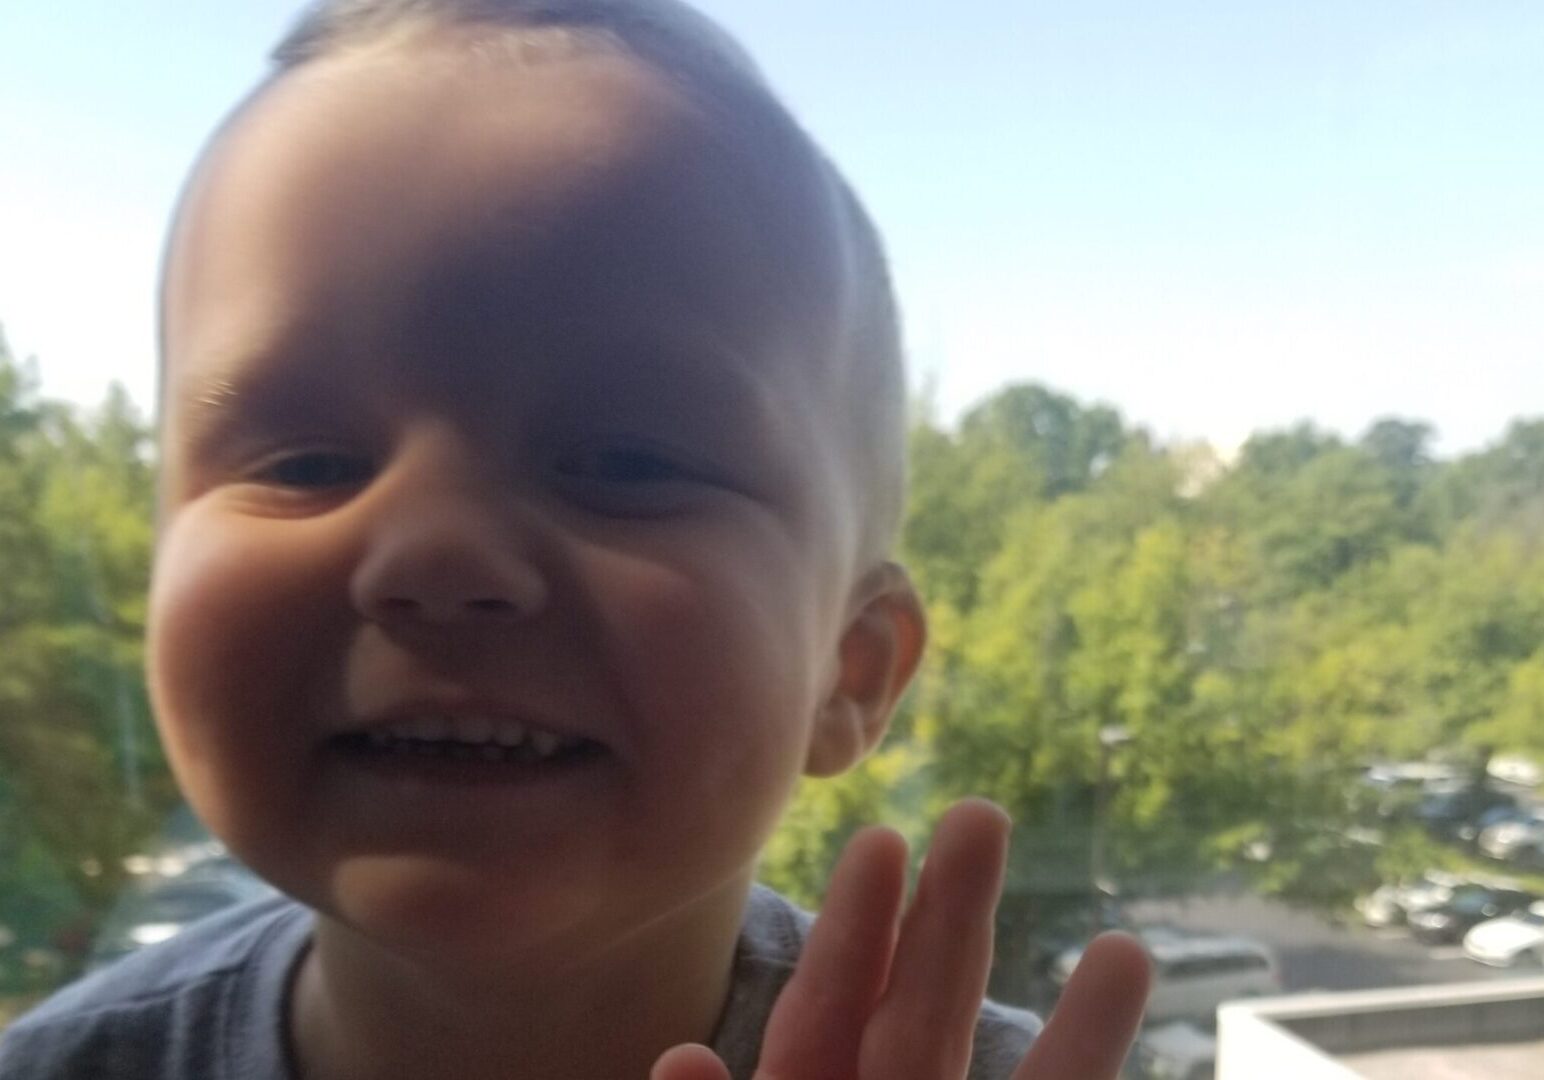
(210, 1004)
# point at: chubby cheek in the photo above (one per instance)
(237, 648)
(719, 665)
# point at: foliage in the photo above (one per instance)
(1135, 646)
(1248, 638)
(81, 776)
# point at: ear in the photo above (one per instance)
(877, 657)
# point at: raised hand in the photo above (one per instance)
(882, 996)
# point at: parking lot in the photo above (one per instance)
(1314, 952)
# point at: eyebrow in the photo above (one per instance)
(722, 374)
(708, 378)
(202, 409)
(214, 398)
(215, 406)
(248, 393)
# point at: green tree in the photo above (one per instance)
(82, 780)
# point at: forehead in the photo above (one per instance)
(438, 201)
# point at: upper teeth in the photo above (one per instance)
(476, 730)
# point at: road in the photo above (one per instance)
(1315, 953)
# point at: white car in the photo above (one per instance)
(1508, 839)
(1391, 905)
(1177, 1051)
(1391, 774)
(1517, 938)
(1521, 771)
(1194, 973)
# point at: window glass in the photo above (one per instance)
(1226, 452)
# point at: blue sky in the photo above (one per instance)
(1218, 216)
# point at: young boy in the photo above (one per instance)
(532, 452)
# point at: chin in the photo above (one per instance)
(417, 903)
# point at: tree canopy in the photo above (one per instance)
(1256, 632)
(1193, 658)
(82, 779)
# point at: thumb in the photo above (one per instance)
(689, 1061)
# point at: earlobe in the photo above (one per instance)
(878, 655)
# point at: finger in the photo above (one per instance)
(926, 1021)
(1090, 1033)
(689, 1062)
(817, 1025)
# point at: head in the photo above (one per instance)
(532, 434)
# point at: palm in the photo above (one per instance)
(879, 995)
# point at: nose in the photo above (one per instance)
(446, 557)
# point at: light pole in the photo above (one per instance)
(1111, 736)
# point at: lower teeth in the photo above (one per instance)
(361, 743)
(461, 751)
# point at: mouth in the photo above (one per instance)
(482, 744)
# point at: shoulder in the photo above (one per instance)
(166, 1009)
(771, 939)
(1003, 1035)
(208, 951)
(773, 932)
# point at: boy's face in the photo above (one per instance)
(499, 395)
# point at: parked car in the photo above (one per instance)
(1194, 973)
(1063, 921)
(1177, 1051)
(1391, 905)
(1471, 831)
(1514, 838)
(1469, 906)
(1514, 939)
(181, 844)
(1391, 774)
(1398, 786)
(1511, 769)
(154, 909)
(1451, 814)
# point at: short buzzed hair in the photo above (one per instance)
(702, 60)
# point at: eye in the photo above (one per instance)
(316, 470)
(630, 479)
(621, 465)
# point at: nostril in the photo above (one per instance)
(404, 607)
(491, 605)
(446, 579)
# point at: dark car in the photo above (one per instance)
(1469, 906)
(1496, 815)
(1452, 815)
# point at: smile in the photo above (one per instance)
(464, 737)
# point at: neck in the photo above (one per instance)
(358, 1012)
